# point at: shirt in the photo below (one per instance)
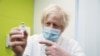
(34, 48)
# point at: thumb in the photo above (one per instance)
(25, 33)
(47, 43)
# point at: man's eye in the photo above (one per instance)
(48, 23)
(55, 25)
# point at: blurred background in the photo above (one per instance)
(84, 25)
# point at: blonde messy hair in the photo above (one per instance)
(55, 8)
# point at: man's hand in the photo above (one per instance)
(53, 49)
(18, 41)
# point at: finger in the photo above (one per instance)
(15, 28)
(47, 48)
(13, 32)
(48, 53)
(47, 43)
(52, 48)
(25, 33)
(16, 43)
(18, 36)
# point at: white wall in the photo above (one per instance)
(67, 5)
(89, 26)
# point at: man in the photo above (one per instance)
(50, 42)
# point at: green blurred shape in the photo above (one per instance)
(12, 13)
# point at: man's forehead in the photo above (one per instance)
(54, 15)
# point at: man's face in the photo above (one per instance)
(53, 21)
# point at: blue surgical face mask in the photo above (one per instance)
(51, 34)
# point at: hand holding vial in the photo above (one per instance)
(18, 39)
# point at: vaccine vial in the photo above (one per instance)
(22, 27)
